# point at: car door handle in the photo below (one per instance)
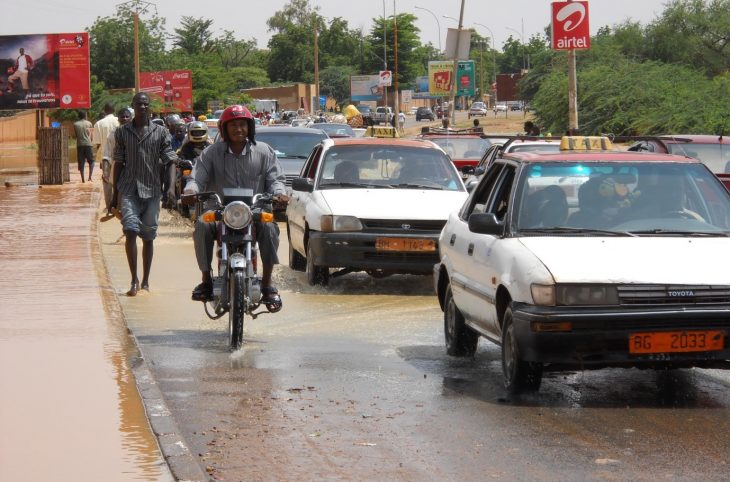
(470, 251)
(452, 240)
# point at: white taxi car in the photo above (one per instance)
(371, 204)
(588, 259)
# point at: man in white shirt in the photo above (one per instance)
(23, 65)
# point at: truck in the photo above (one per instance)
(382, 115)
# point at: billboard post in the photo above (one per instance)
(571, 31)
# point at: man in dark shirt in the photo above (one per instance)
(141, 148)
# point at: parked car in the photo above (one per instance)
(477, 109)
(382, 115)
(712, 150)
(425, 113)
(333, 129)
(365, 111)
(589, 259)
(465, 147)
(500, 108)
(370, 204)
(413, 111)
(515, 107)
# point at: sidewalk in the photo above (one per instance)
(69, 408)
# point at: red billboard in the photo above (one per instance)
(45, 71)
(569, 26)
(174, 88)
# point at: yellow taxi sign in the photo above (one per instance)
(381, 131)
(585, 143)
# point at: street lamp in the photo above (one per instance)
(438, 25)
(522, 41)
(494, 52)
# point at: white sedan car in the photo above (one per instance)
(370, 204)
(589, 259)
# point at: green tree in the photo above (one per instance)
(111, 46)
(335, 82)
(194, 35)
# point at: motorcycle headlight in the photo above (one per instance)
(237, 215)
(331, 223)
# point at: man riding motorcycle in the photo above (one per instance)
(237, 162)
(197, 140)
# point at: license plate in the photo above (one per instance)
(676, 341)
(404, 244)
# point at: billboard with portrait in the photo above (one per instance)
(365, 87)
(172, 88)
(45, 71)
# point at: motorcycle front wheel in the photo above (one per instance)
(236, 313)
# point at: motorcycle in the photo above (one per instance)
(184, 169)
(236, 287)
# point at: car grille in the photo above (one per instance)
(672, 295)
(402, 225)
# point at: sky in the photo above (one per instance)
(247, 18)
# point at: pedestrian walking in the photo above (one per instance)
(102, 129)
(107, 158)
(141, 148)
(401, 122)
(84, 152)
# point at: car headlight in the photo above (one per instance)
(586, 295)
(331, 223)
(543, 295)
(237, 215)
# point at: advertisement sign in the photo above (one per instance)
(507, 87)
(45, 71)
(174, 88)
(464, 37)
(406, 96)
(421, 91)
(386, 78)
(569, 26)
(466, 78)
(365, 87)
(441, 78)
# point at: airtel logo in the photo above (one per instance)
(569, 10)
(180, 76)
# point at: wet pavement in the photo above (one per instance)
(351, 382)
(69, 405)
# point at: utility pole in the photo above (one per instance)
(452, 96)
(316, 62)
(138, 6)
(385, 55)
(396, 98)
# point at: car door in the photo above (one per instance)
(296, 221)
(488, 256)
(459, 249)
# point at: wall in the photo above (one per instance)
(20, 128)
(290, 97)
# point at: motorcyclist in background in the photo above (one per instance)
(196, 140)
(237, 162)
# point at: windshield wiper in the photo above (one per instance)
(565, 229)
(292, 156)
(419, 186)
(721, 234)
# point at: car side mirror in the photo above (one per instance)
(468, 170)
(471, 184)
(485, 223)
(302, 184)
(479, 171)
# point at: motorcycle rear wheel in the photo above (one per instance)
(237, 311)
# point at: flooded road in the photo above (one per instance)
(69, 406)
(352, 382)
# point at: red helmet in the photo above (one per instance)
(237, 112)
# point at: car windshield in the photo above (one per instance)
(715, 156)
(335, 130)
(621, 198)
(462, 148)
(388, 166)
(291, 144)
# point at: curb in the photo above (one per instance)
(182, 466)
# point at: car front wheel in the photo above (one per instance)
(519, 375)
(460, 339)
(316, 275)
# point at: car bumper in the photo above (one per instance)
(600, 338)
(357, 250)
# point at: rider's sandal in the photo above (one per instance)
(203, 292)
(270, 297)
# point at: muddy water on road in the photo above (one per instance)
(69, 407)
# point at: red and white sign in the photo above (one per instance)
(569, 25)
(386, 78)
(173, 87)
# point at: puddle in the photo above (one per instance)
(69, 406)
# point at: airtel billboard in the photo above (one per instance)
(569, 26)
